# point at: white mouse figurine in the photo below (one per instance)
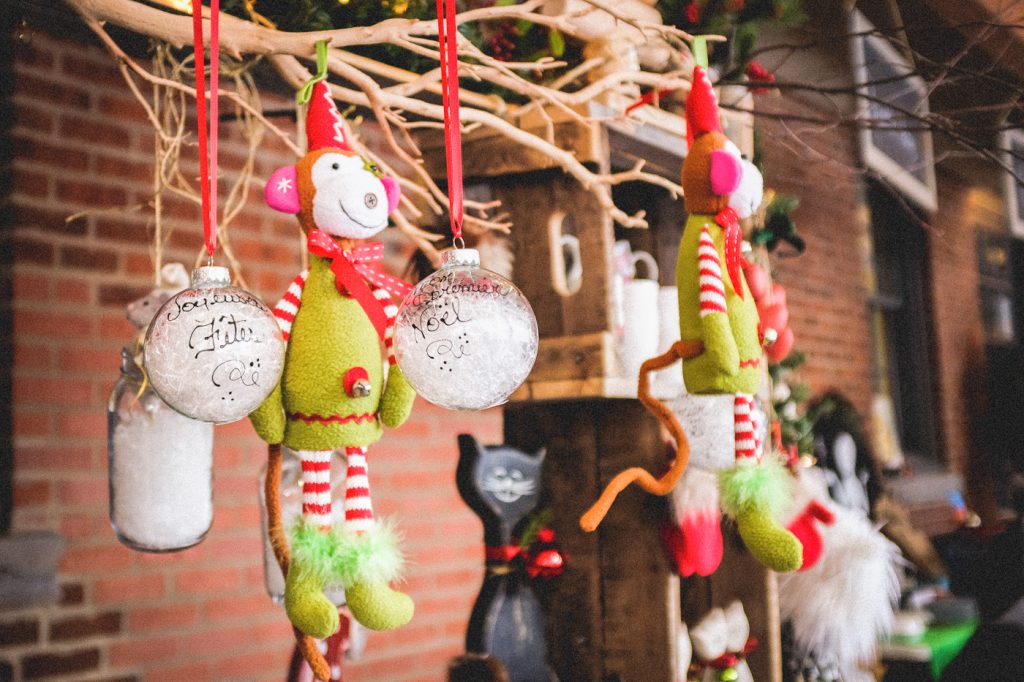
(173, 279)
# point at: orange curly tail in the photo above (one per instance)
(278, 540)
(680, 350)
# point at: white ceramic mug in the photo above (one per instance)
(640, 330)
(668, 381)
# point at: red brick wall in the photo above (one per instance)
(826, 287)
(83, 143)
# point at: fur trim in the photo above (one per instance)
(750, 485)
(844, 603)
(343, 557)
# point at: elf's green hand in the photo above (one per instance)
(396, 403)
(268, 418)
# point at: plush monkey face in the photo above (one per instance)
(337, 191)
(715, 175)
(748, 193)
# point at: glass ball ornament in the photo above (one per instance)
(465, 337)
(213, 352)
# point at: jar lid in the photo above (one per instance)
(211, 276)
(453, 258)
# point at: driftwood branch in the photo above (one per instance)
(390, 104)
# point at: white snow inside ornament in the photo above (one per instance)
(466, 337)
(214, 352)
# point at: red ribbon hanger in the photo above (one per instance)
(447, 38)
(207, 151)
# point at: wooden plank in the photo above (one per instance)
(572, 602)
(636, 580)
(532, 201)
(575, 357)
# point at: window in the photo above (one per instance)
(1013, 146)
(894, 144)
(900, 313)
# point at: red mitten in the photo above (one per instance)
(695, 540)
(807, 533)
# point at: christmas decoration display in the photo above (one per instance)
(213, 352)
(720, 345)
(161, 462)
(334, 392)
(721, 641)
(466, 337)
(840, 606)
(502, 485)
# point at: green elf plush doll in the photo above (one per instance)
(716, 309)
(335, 392)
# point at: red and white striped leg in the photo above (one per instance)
(358, 508)
(316, 487)
(747, 446)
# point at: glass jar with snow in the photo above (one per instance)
(161, 467)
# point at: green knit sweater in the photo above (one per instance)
(310, 409)
(730, 362)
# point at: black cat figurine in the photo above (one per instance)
(502, 485)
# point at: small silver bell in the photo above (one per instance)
(770, 336)
(361, 388)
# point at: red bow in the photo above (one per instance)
(730, 222)
(729, 659)
(354, 269)
(546, 563)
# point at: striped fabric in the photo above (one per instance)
(316, 487)
(712, 290)
(358, 508)
(391, 310)
(748, 445)
(288, 307)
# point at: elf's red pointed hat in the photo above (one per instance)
(324, 126)
(701, 108)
